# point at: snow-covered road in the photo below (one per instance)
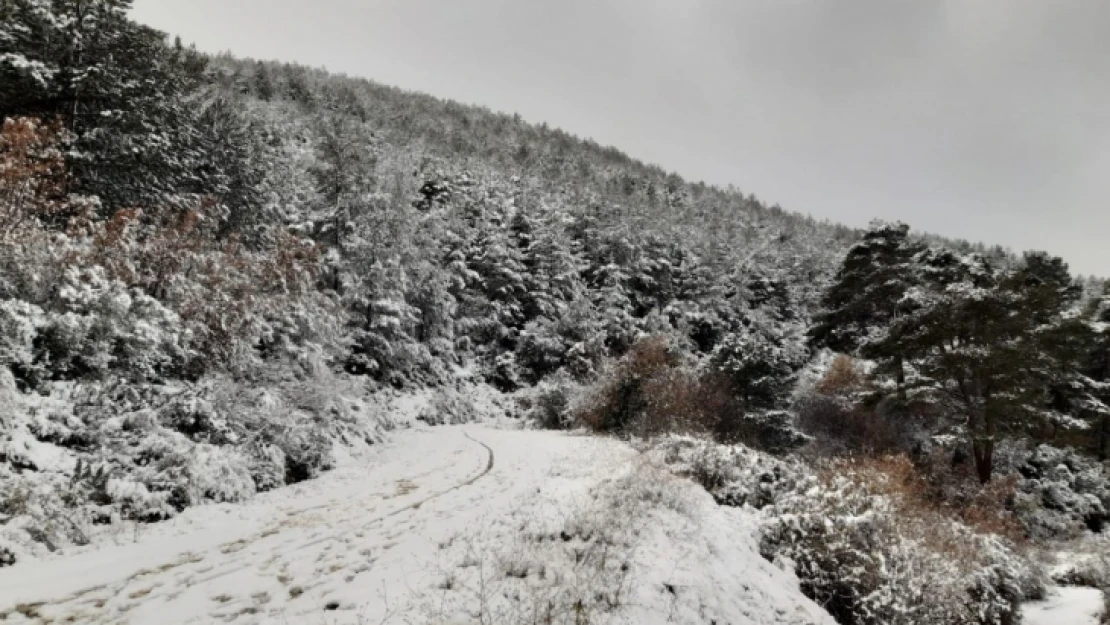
(451, 524)
(1065, 606)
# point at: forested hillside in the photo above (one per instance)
(210, 267)
(179, 229)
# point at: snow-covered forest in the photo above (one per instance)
(220, 277)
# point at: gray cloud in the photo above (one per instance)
(971, 118)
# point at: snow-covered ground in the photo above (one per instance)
(1066, 606)
(442, 525)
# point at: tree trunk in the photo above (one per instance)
(1103, 440)
(983, 449)
(982, 440)
(900, 371)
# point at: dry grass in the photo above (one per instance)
(844, 378)
(982, 508)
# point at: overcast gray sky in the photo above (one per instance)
(981, 119)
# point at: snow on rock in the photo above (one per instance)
(1066, 606)
(450, 524)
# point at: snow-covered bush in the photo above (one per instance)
(1085, 563)
(773, 431)
(136, 501)
(20, 323)
(734, 475)
(192, 414)
(219, 474)
(504, 373)
(1062, 494)
(863, 537)
(43, 512)
(449, 406)
(873, 555)
(307, 450)
(266, 463)
(548, 404)
(90, 453)
(101, 325)
(287, 432)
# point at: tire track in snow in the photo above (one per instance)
(338, 535)
(192, 559)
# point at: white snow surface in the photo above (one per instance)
(1065, 606)
(455, 524)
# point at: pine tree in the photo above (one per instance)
(120, 90)
(232, 172)
(867, 297)
(1094, 372)
(991, 343)
(760, 361)
(553, 273)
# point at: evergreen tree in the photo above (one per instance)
(120, 91)
(867, 296)
(553, 272)
(991, 343)
(1095, 372)
(760, 361)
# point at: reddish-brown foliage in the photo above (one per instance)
(32, 174)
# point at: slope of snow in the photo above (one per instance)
(1065, 606)
(447, 525)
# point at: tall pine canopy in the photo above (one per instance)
(868, 296)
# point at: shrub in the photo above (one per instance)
(839, 426)
(449, 406)
(20, 323)
(835, 406)
(43, 511)
(266, 463)
(219, 474)
(549, 404)
(734, 475)
(865, 547)
(1062, 493)
(954, 489)
(678, 400)
(844, 378)
(1088, 567)
(620, 398)
(193, 415)
(683, 401)
(308, 452)
(651, 391)
(864, 537)
(773, 431)
(136, 501)
(504, 373)
(101, 326)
